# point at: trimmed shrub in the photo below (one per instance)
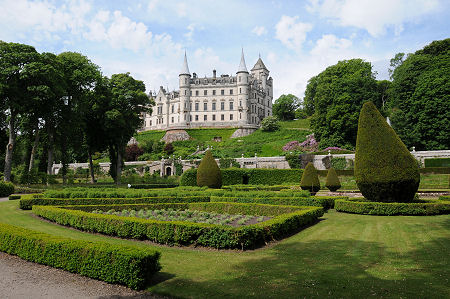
(14, 197)
(444, 197)
(152, 186)
(437, 162)
(384, 168)
(286, 220)
(128, 265)
(357, 206)
(332, 182)
(270, 124)
(6, 189)
(208, 172)
(310, 179)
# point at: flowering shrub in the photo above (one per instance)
(291, 146)
(333, 148)
(309, 145)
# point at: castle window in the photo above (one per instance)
(222, 92)
(222, 105)
(205, 117)
(185, 92)
(214, 106)
(214, 117)
(240, 115)
(190, 106)
(185, 80)
(239, 78)
(196, 118)
(190, 117)
(222, 117)
(231, 105)
(196, 106)
(173, 109)
(172, 119)
(231, 91)
(205, 106)
(150, 123)
(214, 92)
(231, 116)
(191, 93)
(196, 92)
(205, 92)
(240, 103)
(240, 91)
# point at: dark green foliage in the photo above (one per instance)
(208, 172)
(310, 179)
(437, 162)
(6, 188)
(256, 176)
(14, 197)
(152, 186)
(384, 208)
(326, 202)
(339, 163)
(332, 182)
(445, 197)
(28, 203)
(293, 160)
(420, 97)
(127, 265)
(384, 168)
(336, 96)
(286, 220)
(270, 124)
(435, 170)
(285, 106)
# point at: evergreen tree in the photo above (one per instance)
(208, 172)
(310, 179)
(332, 182)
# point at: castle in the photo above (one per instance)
(240, 101)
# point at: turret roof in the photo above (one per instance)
(242, 66)
(259, 65)
(185, 68)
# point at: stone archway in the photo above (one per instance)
(168, 171)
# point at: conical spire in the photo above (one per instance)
(242, 66)
(185, 69)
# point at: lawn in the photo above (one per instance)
(343, 255)
(301, 124)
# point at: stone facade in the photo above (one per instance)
(213, 102)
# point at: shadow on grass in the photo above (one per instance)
(333, 269)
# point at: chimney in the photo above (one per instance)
(214, 74)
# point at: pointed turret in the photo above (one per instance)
(259, 65)
(185, 68)
(242, 66)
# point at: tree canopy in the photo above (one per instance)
(285, 106)
(420, 97)
(336, 96)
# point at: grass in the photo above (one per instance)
(343, 255)
(301, 124)
(205, 135)
(150, 135)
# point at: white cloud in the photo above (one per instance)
(188, 35)
(292, 33)
(124, 33)
(373, 16)
(259, 30)
(329, 43)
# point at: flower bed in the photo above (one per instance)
(286, 220)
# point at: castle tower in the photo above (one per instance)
(185, 93)
(260, 72)
(242, 84)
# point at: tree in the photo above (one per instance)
(128, 102)
(332, 182)
(270, 124)
(420, 98)
(208, 172)
(285, 106)
(384, 168)
(337, 95)
(14, 61)
(310, 93)
(310, 179)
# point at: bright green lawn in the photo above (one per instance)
(149, 135)
(205, 135)
(296, 124)
(342, 256)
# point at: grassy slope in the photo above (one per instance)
(296, 124)
(342, 256)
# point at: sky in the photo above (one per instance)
(296, 39)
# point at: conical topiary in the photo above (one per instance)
(310, 179)
(384, 168)
(208, 172)
(332, 182)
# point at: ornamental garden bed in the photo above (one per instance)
(416, 208)
(284, 220)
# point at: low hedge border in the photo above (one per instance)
(444, 197)
(28, 203)
(152, 186)
(255, 188)
(326, 202)
(14, 197)
(127, 265)
(287, 220)
(422, 207)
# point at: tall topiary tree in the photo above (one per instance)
(310, 179)
(384, 168)
(208, 172)
(332, 182)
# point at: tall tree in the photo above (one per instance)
(123, 118)
(14, 61)
(420, 97)
(337, 95)
(285, 106)
(310, 92)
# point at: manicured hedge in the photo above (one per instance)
(287, 219)
(388, 209)
(255, 176)
(255, 187)
(6, 189)
(327, 202)
(444, 197)
(437, 162)
(128, 265)
(435, 170)
(28, 203)
(13, 197)
(152, 186)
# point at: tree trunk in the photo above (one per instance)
(51, 143)
(33, 150)
(91, 167)
(119, 165)
(10, 147)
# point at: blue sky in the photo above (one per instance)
(296, 39)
